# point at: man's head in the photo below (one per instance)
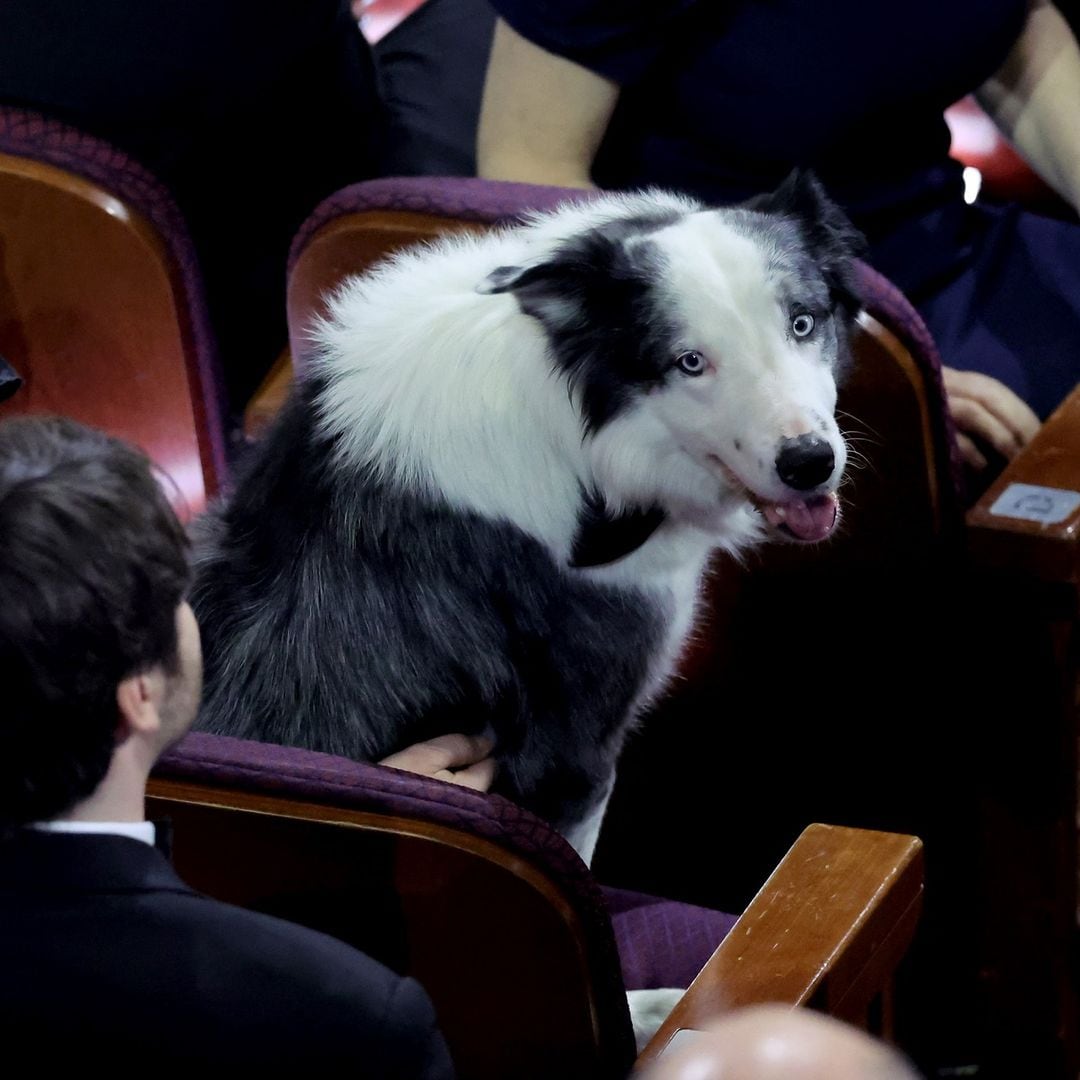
(774, 1042)
(97, 647)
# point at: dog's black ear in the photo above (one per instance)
(540, 289)
(833, 240)
(505, 279)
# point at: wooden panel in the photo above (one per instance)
(830, 925)
(89, 318)
(268, 400)
(501, 951)
(1051, 460)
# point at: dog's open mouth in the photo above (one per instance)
(808, 520)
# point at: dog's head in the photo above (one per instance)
(703, 347)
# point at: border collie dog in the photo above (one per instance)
(491, 497)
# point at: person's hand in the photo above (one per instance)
(461, 759)
(988, 410)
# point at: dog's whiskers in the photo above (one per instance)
(857, 459)
(858, 421)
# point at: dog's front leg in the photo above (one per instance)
(567, 784)
(583, 835)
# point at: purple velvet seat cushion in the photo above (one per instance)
(886, 303)
(660, 942)
(466, 198)
(270, 769)
(663, 942)
(29, 135)
(304, 775)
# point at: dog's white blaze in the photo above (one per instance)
(767, 385)
(669, 445)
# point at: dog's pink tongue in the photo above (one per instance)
(813, 519)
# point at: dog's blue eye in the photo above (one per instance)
(803, 324)
(690, 363)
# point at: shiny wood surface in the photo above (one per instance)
(1051, 460)
(849, 898)
(89, 317)
(1029, 573)
(268, 399)
(351, 244)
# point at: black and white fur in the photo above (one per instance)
(490, 500)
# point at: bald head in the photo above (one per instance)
(773, 1042)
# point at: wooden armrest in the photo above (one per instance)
(827, 929)
(1029, 518)
(267, 401)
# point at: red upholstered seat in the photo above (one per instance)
(101, 303)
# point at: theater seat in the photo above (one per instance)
(101, 305)
(526, 958)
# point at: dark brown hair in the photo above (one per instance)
(93, 564)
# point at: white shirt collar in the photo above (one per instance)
(137, 830)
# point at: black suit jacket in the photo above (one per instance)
(106, 955)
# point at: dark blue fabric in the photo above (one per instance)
(1013, 309)
(107, 956)
(663, 943)
(723, 99)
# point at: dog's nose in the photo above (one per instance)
(805, 461)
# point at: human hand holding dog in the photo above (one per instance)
(987, 409)
(460, 759)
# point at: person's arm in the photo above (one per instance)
(542, 117)
(542, 120)
(1035, 99)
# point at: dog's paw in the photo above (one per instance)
(649, 1009)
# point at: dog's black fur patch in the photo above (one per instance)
(344, 616)
(350, 614)
(604, 537)
(595, 298)
(829, 238)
